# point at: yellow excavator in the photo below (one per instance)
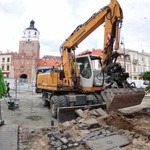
(79, 84)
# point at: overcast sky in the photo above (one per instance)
(56, 20)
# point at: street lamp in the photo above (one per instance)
(124, 55)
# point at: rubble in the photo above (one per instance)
(105, 137)
(87, 131)
(92, 131)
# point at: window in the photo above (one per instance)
(7, 68)
(8, 59)
(3, 68)
(84, 67)
(127, 68)
(134, 68)
(3, 59)
(142, 60)
(139, 68)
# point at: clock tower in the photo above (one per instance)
(26, 61)
(29, 43)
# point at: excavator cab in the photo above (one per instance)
(117, 92)
(90, 70)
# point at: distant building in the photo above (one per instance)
(139, 63)
(6, 63)
(49, 61)
(25, 62)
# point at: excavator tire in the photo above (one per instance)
(63, 100)
(54, 104)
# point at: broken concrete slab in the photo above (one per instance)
(107, 143)
(80, 112)
(101, 112)
(92, 123)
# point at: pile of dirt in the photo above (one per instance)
(35, 139)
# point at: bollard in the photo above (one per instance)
(52, 123)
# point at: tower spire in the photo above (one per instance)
(32, 24)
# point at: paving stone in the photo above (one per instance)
(64, 140)
(66, 124)
(9, 137)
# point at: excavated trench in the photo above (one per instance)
(138, 122)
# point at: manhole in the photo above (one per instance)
(34, 118)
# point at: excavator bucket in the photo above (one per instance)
(69, 113)
(122, 98)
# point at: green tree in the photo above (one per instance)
(146, 75)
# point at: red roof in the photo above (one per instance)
(51, 61)
(84, 52)
(97, 52)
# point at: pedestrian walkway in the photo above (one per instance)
(147, 94)
(9, 137)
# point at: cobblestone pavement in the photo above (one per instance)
(31, 112)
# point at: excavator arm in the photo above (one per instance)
(111, 16)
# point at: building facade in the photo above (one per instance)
(139, 63)
(6, 64)
(23, 65)
(135, 63)
(49, 61)
(26, 61)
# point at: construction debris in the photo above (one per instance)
(87, 132)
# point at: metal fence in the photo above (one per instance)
(21, 85)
